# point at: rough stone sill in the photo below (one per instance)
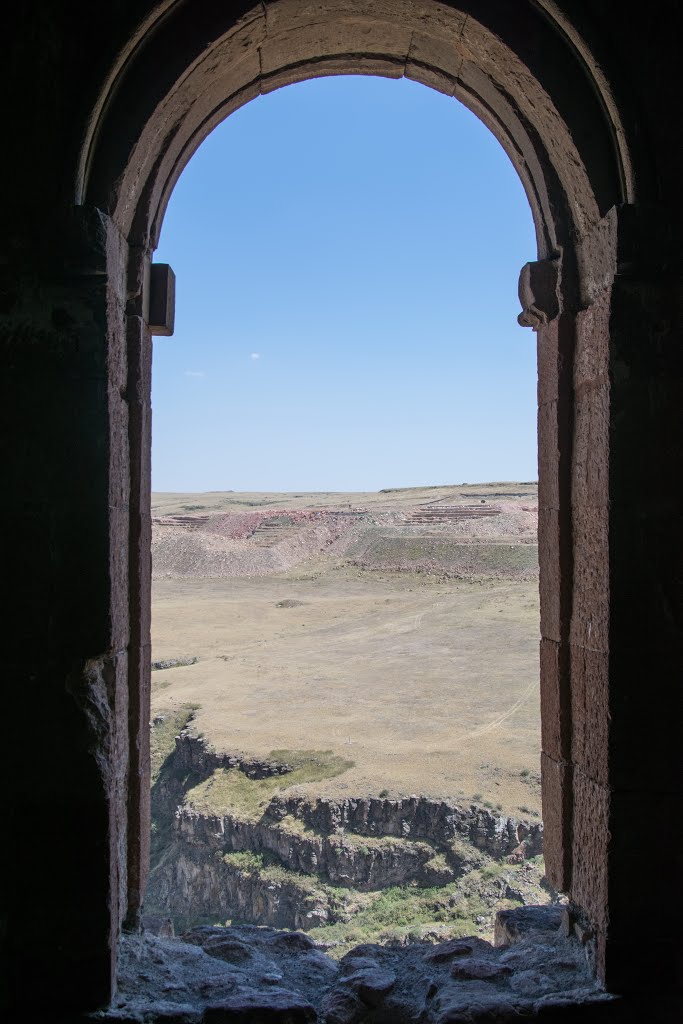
(246, 974)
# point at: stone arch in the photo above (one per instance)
(533, 81)
(532, 85)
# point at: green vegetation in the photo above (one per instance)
(438, 862)
(467, 854)
(313, 764)
(268, 869)
(377, 549)
(493, 869)
(244, 860)
(402, 912)
(165, 727)
(388, 915)
(365, 844)
(230, 791)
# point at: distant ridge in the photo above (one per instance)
(439, 487)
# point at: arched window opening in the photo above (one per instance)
(345, 630)
(536, 84)
(107, 111)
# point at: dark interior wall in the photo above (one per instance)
(66, 480)
(638, 762)
(67, 484)
(67, 629)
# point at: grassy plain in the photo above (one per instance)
(422, 684)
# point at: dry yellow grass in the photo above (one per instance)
(429, 687)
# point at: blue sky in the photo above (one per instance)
(347, 253)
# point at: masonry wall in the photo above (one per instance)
(66, 576)
(76, 425)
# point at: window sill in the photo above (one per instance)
(248, 973)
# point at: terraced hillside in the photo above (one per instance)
(229, 535)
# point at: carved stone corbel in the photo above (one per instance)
(538, 287)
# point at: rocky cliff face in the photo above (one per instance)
(286, 867)
(340, 859)
(417, 818)
(412, 818)
(194, 883)
(193, 755)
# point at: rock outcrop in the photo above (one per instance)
(194, 883)
(412, 818)
(192, 755)
(416, 818)
(341, 859)
(288, 866)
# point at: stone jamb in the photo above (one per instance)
(139, 383)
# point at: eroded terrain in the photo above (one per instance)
(346, 710)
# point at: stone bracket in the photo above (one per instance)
(161, 300)
(538, 288)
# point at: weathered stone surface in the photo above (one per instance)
(231, 950)
(550, 541)
(368, 979)
(514, 925)
(472, 969)
(556, 792)
(591, 593)
(244, 973)
(447, 951)
(292, 941)
(591, 836)
(590, 716)
(553, 710)
(538, 293)
(278, 1007)
(342, 1006)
